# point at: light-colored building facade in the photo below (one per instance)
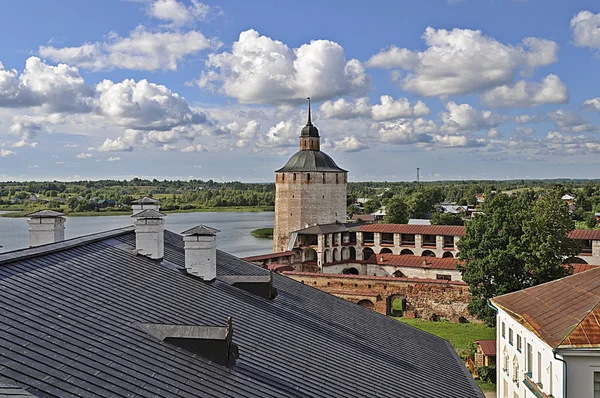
(310, 189)
(548, 339)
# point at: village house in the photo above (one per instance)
(143, 311)
(548, 339)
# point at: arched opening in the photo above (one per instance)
(327, 256)
(427, 253)
(350, 271)
(396, 305)
(366, 304)
(448, 255)
(407, 251)
(386, 250)
(574, 260)
(345, 254)
(367, 253)
(336, 255)
(352, 253)
(309, 255)
(323, 178)
(398, 274)
(307, 176)
(294, 176)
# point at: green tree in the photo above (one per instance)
(518, 242)
(396, 211)
(446, 219)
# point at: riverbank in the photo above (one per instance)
(263, 233)
(244, 209)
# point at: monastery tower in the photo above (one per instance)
(310, 189)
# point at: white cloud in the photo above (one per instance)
(572, 145)
(350, 144)
(525, 119)
(4, 153)
(141, 50)
(342, 109)
(400, 108)
(23, 143)
(570, 122)
(448, 65)
(455, 141)
(25, 130)
(591, 104)
(71, 145)
(194, 148)
(177, 13)
(168, 148)
(585, 28)
(84, 156)
(528, 94)
(114, 159)
(406, 131)
(262, 70)
(525, 130)
(283, 134)
(463, 117)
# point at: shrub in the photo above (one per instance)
(487, 374)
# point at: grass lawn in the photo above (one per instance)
(458, 334)
(486, 387)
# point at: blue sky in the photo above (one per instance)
(188, 89)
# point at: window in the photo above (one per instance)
(510, 336)
(443, 277)
(529, 359)
(515, 374)
(282, 176)
(519, 344)
(337, 180)
(550, 379)
(505, 360)
(538, 379)
(407, 239)
(586, 246)
(323, 178)
(294, 176)
(307, 176)
(596, 384)
(449, 242)
(368, 237)
(503, 330)
(387, 238)
(429, 240)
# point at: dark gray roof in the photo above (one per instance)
(70, 316)
(329, 228)
(202, 230)
(146, 201)
(149, 213)
(46, 214)
(310, 161)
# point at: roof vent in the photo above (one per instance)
(46, 226)
(211, 342)
(145, 203)
(150, 233)
(200, 244)
(259, 285)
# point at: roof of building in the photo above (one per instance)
(149, 213)
(375, 278)
(415, 229)
(46, 214)
(488, 347)
(329, 228)
(419, 221)
(145, 201)
(83, 331)
(408, 260)
(201, 230)
(568, 197)
(269, 256)
(309, 130)
(310, 161)
(593, 234)
(563, 313)
(577, 268)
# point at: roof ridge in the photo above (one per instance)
(49, 248)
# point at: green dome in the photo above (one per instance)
(306, 161)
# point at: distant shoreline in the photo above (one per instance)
(240, 209)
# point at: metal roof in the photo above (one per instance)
(70, 316)
(488, 347)
(149, 213)
(310, 161)
(563, 313)
(451, 230)
(593, 234)
(146, 201)
(46, 214)
(329, 228)
(201, 230)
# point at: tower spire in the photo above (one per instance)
(309, 123)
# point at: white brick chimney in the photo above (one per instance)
(145, 203)
(150, 233)
(46, 226)
(201, 252)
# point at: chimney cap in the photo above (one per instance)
(145, 201)
(46, 214)
(201, 230)
(149, 213)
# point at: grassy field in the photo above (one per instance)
(263, 233)
(458, 334)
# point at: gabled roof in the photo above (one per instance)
(488, 347)
(149, 213)
(563, 313)
(201, 230)
(593, 234)
(79, 334)
(46, 214)
(145, 201)
(415, 229)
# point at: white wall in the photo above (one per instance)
(581, 365)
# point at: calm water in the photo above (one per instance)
(234, 238)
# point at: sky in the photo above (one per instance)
(180, 89)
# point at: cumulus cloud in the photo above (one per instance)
(456, 141)
(342, 109)
(119, 144)
(447, 66)
(572, 145)
(25, 130)
(23, 144)
(350, 144)
(591, 104)
(528, 94)
(585, 28)
(54, 88)
(141, 50)
(570, 122)
(406, 131)
(84, 156)
(194, 148)
(387, 109)
(283, 134)
(4, 153)
(262, 70)
(177, 14)
(113, 159)
(463, 117)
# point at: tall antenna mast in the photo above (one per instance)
(418, 180)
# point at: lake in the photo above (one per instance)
(234, 238)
